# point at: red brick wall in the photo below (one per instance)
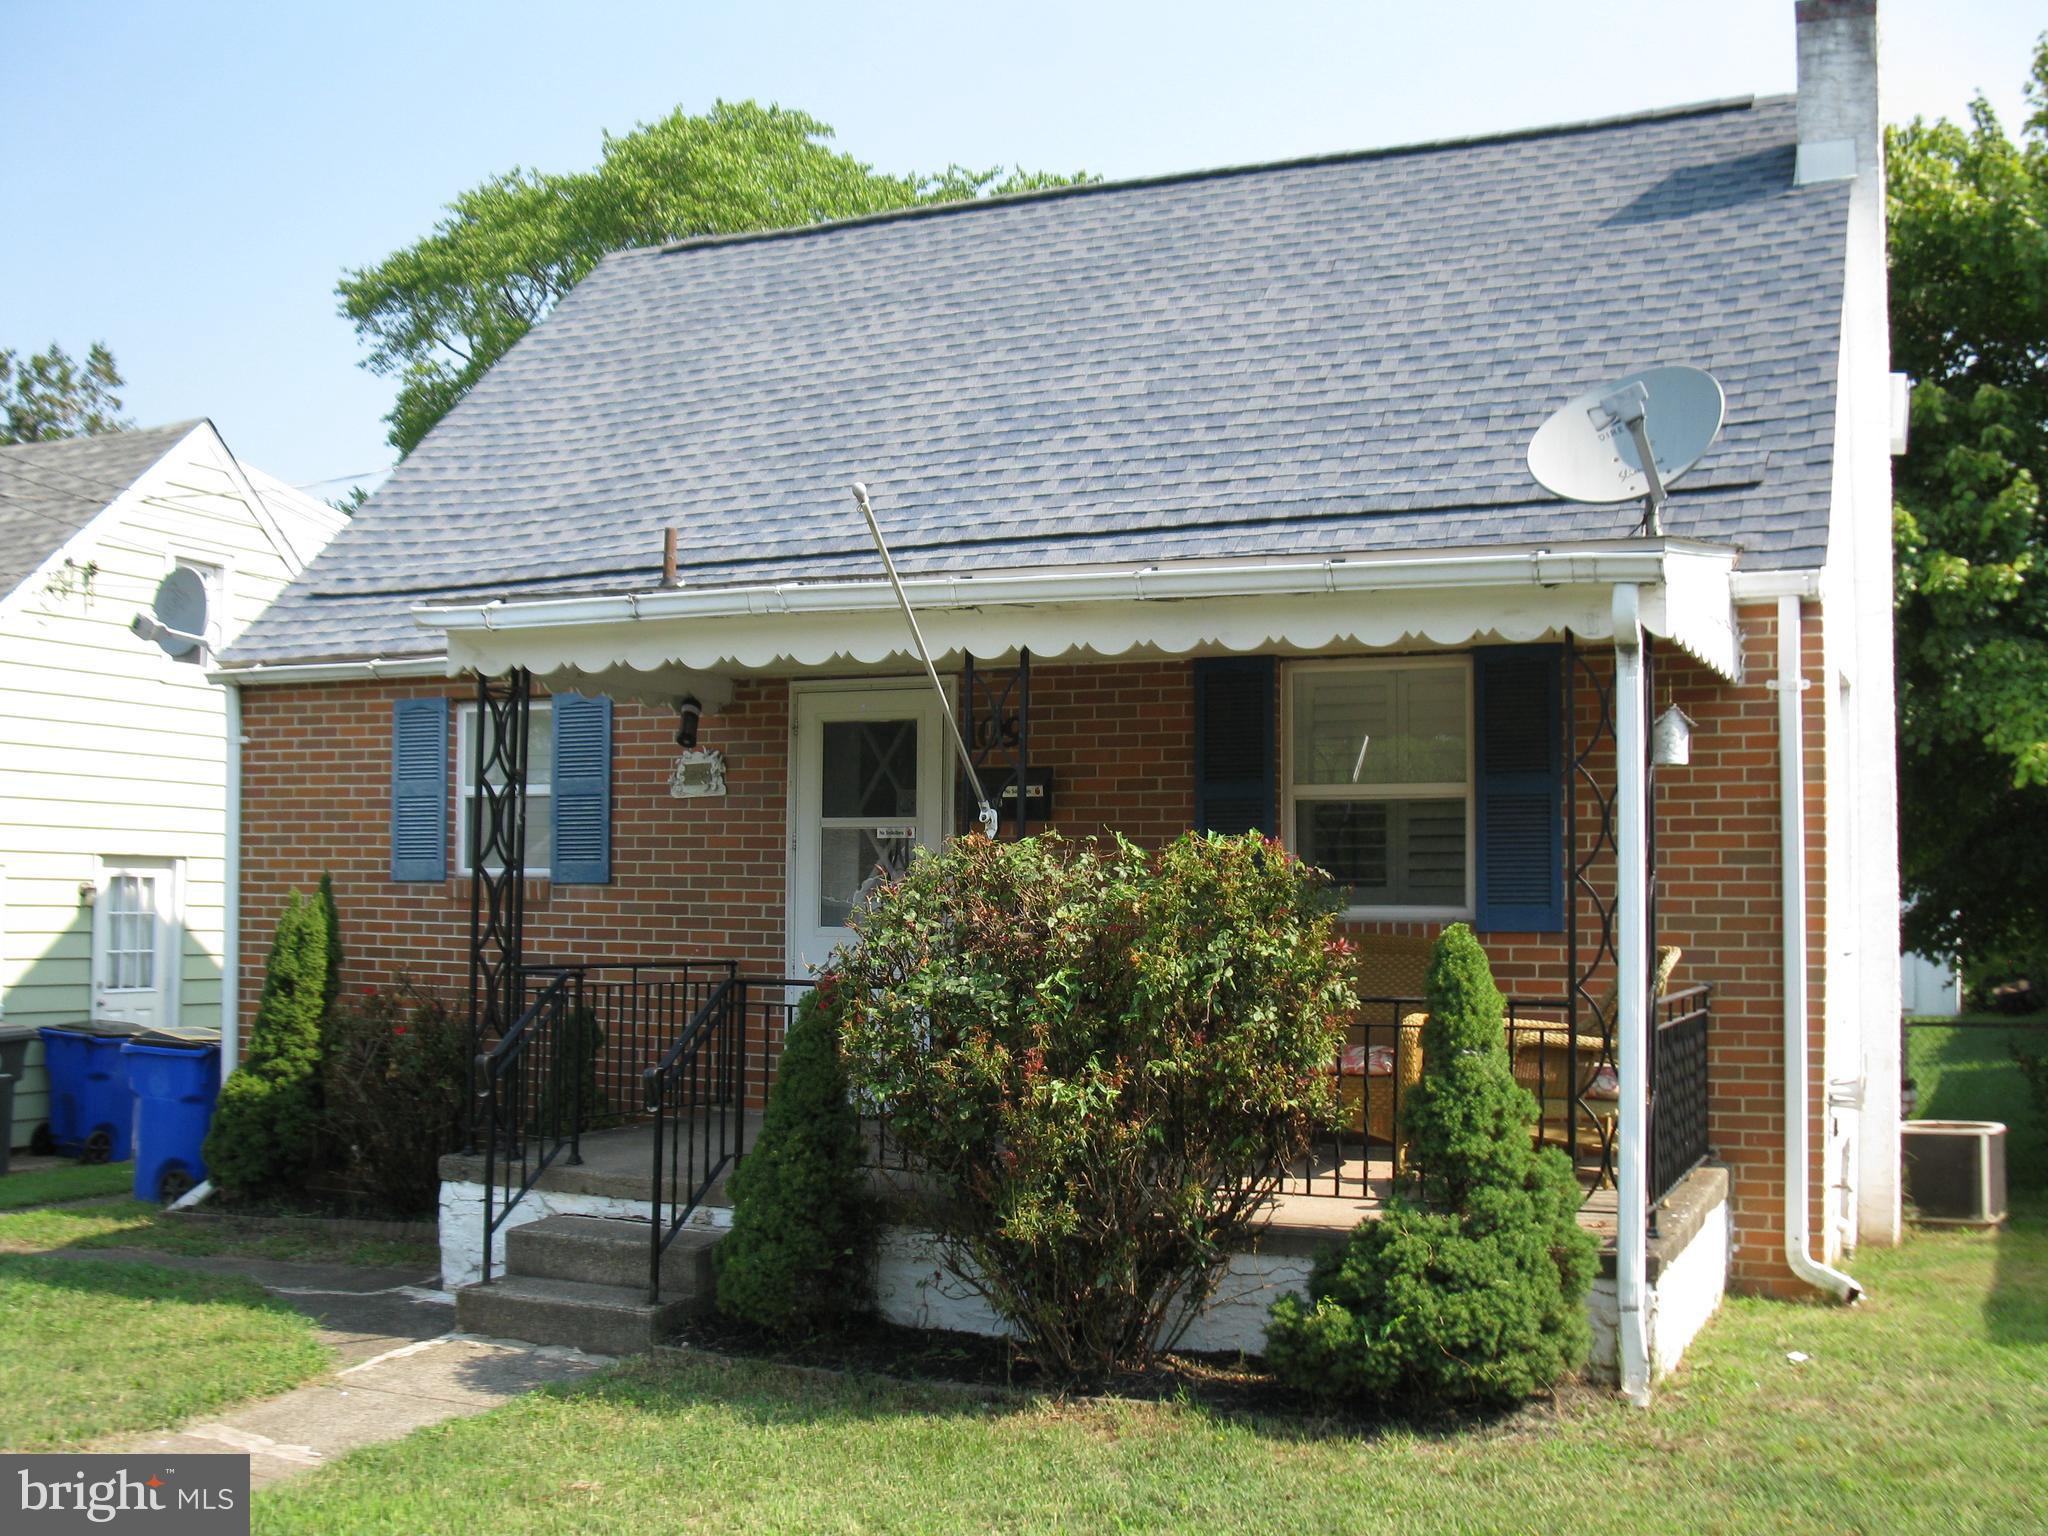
(705, 877)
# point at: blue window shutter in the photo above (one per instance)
(1521, 785)
(1234, 743)
(419, 789)
(583, 790)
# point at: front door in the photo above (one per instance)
(868, 786)
(135, 942)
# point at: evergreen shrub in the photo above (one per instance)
(800, 1248)
(1472, 1287)
(266, 1126)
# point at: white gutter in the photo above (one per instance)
(1790, 682)
(231, 931)
(1632, 975)
(1639, 560)
(1760, 586)
(377, 667)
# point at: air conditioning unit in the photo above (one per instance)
(1955, 1171)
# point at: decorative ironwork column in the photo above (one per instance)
(496, 819)
(998, 731)
(1590, 941)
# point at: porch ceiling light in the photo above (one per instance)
(687, 712)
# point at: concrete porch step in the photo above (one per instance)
(598, 1319)
(595, 1250)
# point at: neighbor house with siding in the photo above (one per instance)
(113, 753)
(1211, 493)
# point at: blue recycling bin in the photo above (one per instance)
(175, 1084)
(92, 1111)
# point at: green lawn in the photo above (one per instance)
(137, 1224)
(89, 1348)
(78, 1181)
(1923, 1409)
(1966, 1072)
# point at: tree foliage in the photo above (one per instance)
(266, 1127)
(48, 395)
(438, 313)
(1969, 310)
(1472, 1288)
(1099, 1061)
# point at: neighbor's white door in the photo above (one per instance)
(135, 942)
(867, 786)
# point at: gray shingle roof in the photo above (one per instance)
(48, 491)
(1343, 355)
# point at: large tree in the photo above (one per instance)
(1969, 275)
(438, 313)
(49, 395)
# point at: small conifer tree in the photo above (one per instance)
(798, 1253)
(266, 1126)
(1472, 1287)
(330, 919)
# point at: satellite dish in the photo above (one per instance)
(180, 623)
(1629, 439)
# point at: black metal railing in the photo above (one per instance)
(1678, 1087)
(1381, 1060)
(633, 1012)
(532, 1093)
(700, 1093)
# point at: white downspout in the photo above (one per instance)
(231, 932)
(1790, 683)
(1632, 975)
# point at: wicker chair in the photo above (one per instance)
(1543, 1058)
(1388, 965)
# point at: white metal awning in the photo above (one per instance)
(657, 644)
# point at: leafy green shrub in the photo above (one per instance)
(1471, 1288)
(266, 1126)
(1100, 1060)
(395, 1079)
(802, 1229)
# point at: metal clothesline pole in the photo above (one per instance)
(987, 812)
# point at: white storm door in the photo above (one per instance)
(867, 786)
(135, 942)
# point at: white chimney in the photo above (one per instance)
(1839, 133)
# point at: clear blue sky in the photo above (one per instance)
(186, 181)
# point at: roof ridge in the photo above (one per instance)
(1212, 173)
(104, 437)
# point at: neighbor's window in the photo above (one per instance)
(1379, 780)
(540, 770)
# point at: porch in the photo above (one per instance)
(632, 1090)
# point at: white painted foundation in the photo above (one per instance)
(1679, 1302)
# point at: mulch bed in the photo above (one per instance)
(1237, 1386)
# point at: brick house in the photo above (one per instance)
(1210, 494)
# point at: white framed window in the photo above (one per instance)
(540, 797)
(1378, 782)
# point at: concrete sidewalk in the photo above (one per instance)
(401, 1367)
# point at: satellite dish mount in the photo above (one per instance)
(986, 813)
(178, 624)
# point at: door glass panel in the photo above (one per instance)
(850, 860)
(131, 933)
(870, 768)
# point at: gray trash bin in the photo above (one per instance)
(14, 1039)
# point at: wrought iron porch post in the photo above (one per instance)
(998, 732)
(496, 818)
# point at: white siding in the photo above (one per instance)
(109, 748)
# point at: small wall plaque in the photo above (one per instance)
(699, 772)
